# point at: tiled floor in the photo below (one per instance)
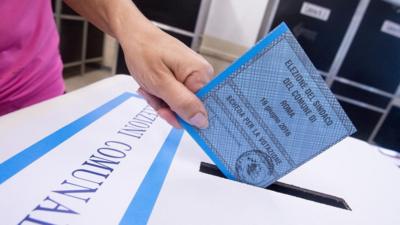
(78, 81)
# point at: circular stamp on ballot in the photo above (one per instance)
(254, 167)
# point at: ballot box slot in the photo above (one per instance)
(288, 189)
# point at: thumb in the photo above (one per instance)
(183, 102)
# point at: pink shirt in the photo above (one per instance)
(30, 63)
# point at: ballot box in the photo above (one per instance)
(319, 26)
(101, 155)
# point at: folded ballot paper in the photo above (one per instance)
(269, 112)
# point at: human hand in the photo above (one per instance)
(168, 73)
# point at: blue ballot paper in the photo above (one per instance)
(269, 112)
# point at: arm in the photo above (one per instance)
(167, 71)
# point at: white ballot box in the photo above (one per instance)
(101, 155)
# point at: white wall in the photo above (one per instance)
(236, 21)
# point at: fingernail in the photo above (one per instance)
(199, 120)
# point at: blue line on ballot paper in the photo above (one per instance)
(142, 204)
(243, 59)
(23, 159)
(278, 31)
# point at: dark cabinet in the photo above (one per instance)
(81, 43)
(319, 26)
(356, 46)
(389, 134)
(182, 19)
(374, 56)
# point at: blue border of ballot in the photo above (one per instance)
(278, 31)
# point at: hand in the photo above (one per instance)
(168, 73)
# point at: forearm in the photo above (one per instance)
(119, 18)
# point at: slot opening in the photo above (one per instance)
(288, 189)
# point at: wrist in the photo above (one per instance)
(131, 26)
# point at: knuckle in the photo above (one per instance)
(196, 81)
(156, 84)
(196, 77)
(164, 87)
(205, 68)
(185, 104)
